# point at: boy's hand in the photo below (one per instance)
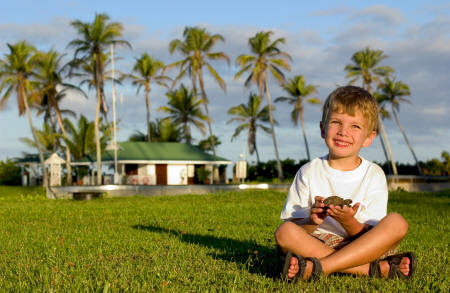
(343, 215)
(318, 214)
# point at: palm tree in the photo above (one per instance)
(162, 130)
(184, 108)
(47, 138)
(148, 70)
(84, 69)
(251, 117)
(205, 144)
(16, 71)
(298, 90)
(81, 137)
(365, 66)
(53, 90)
(266, 57)
(95, 39)
(196, 47)
(393, 92)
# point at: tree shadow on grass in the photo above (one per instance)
(258, 259)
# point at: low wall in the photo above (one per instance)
(88, 192)
(406, 183)
(418, 183)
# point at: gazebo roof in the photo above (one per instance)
(156, 152)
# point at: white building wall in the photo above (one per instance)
(176, 174)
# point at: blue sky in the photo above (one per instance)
(321, 36)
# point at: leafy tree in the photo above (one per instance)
(446, 162)
(366, 67)
(148, 70)
(95, 39)
(205, 144)
(265, 57)
(81, 137)
(16, 73)
(393, 93)
(162, 130)
(196, 46)
(435, 167)
(298, 92)
(251, 117)
(184, 109)
(47, 138)
(10, 173)
(266, 171)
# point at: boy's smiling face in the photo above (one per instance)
(345, 135)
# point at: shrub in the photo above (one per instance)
(10, 173)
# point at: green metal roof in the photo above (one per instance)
(156, 151)
(31, 158)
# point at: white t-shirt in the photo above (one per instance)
(366, 184)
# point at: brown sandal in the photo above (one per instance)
(287, 264)
(316, 271)
(394, 263)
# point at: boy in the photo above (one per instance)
(350, 239)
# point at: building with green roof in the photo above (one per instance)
(163, 163)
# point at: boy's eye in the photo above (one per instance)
(356, 126)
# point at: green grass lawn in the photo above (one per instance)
(197, 243)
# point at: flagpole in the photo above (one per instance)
(116, 174)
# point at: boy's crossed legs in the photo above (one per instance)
(354, 258)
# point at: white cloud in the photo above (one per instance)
(380, 14)
(338, 10)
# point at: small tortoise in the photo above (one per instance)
(337, 201)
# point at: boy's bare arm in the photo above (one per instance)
(315, 219)
(345, 216)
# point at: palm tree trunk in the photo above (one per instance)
(147, 103)
(304, 136)
(383, 132)
(68, 154)
(385, 154)
(96, 122)
(407, 141)
(187, 133)
(97, 141)
(269, 102)
(36, 140)
(205, 103)
(251, 141)
(257, 154)
(366, 85)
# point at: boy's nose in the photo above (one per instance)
(342, 131)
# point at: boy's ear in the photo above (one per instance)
(369, 139)
(322, 130)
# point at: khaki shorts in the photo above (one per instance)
(337, 242)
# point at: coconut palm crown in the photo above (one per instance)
(184, 108)
(251, 117)
(366, 67)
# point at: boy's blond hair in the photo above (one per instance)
(349, 100)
